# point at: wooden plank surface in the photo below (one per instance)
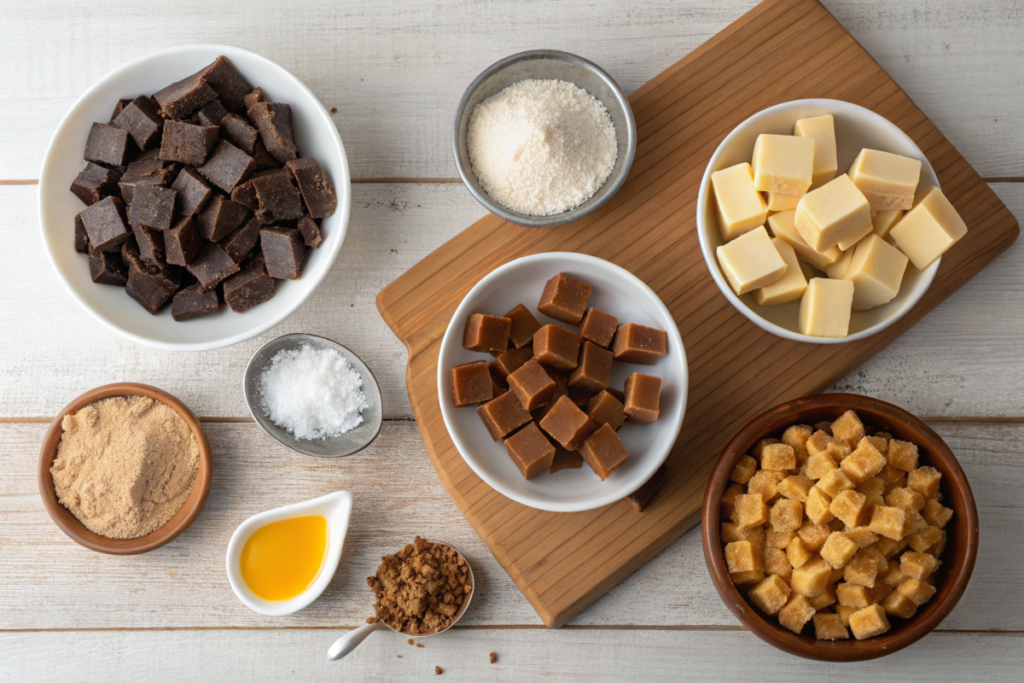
(649, 229)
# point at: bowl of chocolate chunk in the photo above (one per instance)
(562, 380)
(195, 197)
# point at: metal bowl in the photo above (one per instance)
(547, 64)
(348, 443)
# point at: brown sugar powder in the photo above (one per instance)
(125, 465)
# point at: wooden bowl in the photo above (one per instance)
(957, 559)
(70, 525)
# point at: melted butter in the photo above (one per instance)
(283, 559)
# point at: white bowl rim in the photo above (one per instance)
(452, 336)
(927, 275)
(343, 188)
(335, 507)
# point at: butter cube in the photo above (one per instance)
(884, 220)
(876, 272)
(823, 130)
(825, 307)
(783, 163)
(740, 207)
(928, 229)
(851, 241)
(888, 180)
(751, 261)
(783, 227)
(790, 286)
(783, 202)
(770, 595)
(829, 627)
(838, 270)
(835, 211)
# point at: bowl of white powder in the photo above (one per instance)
(542, 138)
(313, 395)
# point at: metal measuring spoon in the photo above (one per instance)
(351, 640)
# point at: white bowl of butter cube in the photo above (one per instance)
(822, 222)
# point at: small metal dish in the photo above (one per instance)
(334, 447)
(547, 64)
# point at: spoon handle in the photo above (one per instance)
(350, 641)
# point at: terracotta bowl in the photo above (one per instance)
(957, 560)
(70, 525)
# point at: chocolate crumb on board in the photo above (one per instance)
(494, 658)
(334, 110)
(411, 641)
(643, 495)
(420, 645)
(438, 671)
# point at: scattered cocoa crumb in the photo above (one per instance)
(494, 658)
(420, 588)
(334, 110)
(411, 641)
(399, 656)
(420, 645)
(438, 671)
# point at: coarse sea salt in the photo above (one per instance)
(312, 393)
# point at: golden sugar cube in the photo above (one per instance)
(819, 464)
(890, 475)
(902, 545)
(918, 591)
(879, 591)
(868, 622)
(886, 546)
(783, 163)
(861, 535)
(750, 510)
(829, 627)
(834, 482)
(835, 576)
(838, 549)
(826, 597)
(744, 470)
(751, 261)
(798, 553)
(811, 578)
(925, 538)
(893, 575)
(926, 231)
(778, 456)
(902, 455)
(863, 463)
(925, 480)
(914, 523)
(779, 539)
(728, 503)
(936, 550)
(814, 535)
(791, 286)
(852, 595)
(936, 514)
(861, 570)
(832, 213)
(887, 180)
(838, 450)
(851, 507)
(754, 576)
(881, 443)
(796, 438)
(761, 444)
(836, 525)
(776, 562)
(770, 595)
(796, 613)
(742, 556)
(786, 515)
(881, 563)
(888, 521)
(905, 499)
(795, 487)
(844, 612)
(817, 506)
(848, 428)
(822, 129)
(731, 532)
(896, 604)
(766, 483)
(872, 488)
(918, 565)
(900, 483)
(817, 443)
(740, 207)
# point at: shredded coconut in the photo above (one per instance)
(541, 147)
(312, 393)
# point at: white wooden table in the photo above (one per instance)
(395, 71)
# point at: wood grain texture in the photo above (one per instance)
(396, 68)
(562, 562)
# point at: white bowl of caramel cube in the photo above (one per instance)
(762, 247)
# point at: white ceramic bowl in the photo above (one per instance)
(335, 507)
(315, 134)
(616, 291)
(856, 128)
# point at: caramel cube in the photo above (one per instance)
(925, 480)
(531, 385)
(905, 499)
(770, 595)
(868, 622)
(606, 409)
(798, 553)
(503, 415)
(731, 532)
(861, 535)
(486, 333)
(819, 464)
(471, 383)
(787, 515)
(863, 463)
(829, 627)
(826, 597)
(902, 455)
(896, 604)
(750, 509)
(744, 470)
(918, 565)
(742, 556)
(524, 324)
(817, 506)
(796, 438)
(556, 347)
(530, 451)
(779, 539)
(861, 570)
(599, 327)
(851, 507)
(776, 562)
(766, 482)
(565, 460)
(814, 535)
(796, 613)
(567, 424)
(778, 456)
(919, 592)
(852, 595)
(795, 487)
(811, 578)
(510, 361)
(848, 428)
(593, 369)
(834, 482)
(603, 451)
(936, 514)
(639, 344)
(838, 549)
(643, 398)
(565, 298)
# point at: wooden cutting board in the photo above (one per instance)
(779, 51)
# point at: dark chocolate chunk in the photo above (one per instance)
(193, 192)
(257, 95)
(237, 131)
(193, 302)
(317, 189)
(220, 217)
(94, 183)
(242, 240)
(107, 268)
(245, 194)
(153, 207)
(278, 197)
(211, 266)
(274, 122)
(249, 288)
(81, 238)
(187, 142)
(105, 224)
(146, 170)
(180, 99)
(263, 158)
(283, 251)
(107, 145)
(310, 232)
(141, 118)
(229, 85)
(151, 287)
(118, 108)
(212, 114)
(182, 242)
(227, 166)
(150, 243)
(130, 255)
